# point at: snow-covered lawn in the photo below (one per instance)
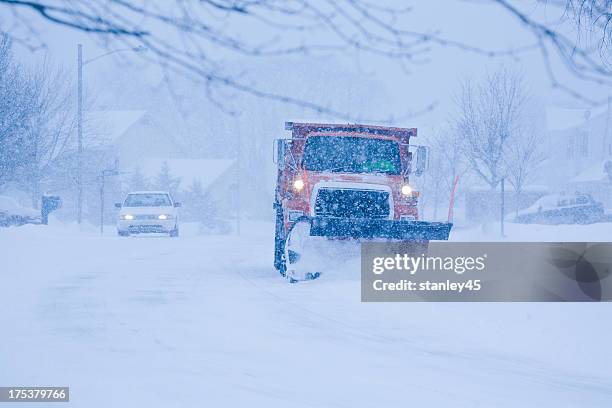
(206, 321)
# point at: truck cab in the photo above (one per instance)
(349, 181)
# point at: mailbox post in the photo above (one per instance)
(49, 203)
(105, 173)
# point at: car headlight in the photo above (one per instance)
(406, 189)
(127, 217)
(164, 216)
(298, 185)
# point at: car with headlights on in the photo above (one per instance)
(562, 208)
(148, 212)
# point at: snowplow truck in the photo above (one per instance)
(339, 182)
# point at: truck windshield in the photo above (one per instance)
(147, 200)
(351, 155)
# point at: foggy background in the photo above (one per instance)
(154, 112)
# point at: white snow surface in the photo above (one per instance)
(206, 321)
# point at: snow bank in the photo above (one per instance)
(161, 322)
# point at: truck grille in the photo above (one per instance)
(348, 203)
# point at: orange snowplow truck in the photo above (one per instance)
(348, 181)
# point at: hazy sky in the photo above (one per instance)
(397, 91)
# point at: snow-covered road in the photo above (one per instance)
(206, 321)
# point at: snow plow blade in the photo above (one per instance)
(387, 229)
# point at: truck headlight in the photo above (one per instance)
(164, 216)
(127, 217)
(406, 189)
(298, 185)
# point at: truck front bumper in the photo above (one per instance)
(387, 229)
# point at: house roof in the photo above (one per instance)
(595, 173)
(206, 171)
(105, 127)
(564, 118)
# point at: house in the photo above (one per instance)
(105, 128)
(577, 139)
(580, 148)
(124, 140)
(217, 177)
(101, 132)
(595, 180)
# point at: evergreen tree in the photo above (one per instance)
(166, 182)
(200, 206)
(138, 181)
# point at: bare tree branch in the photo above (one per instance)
(581, 61)
(196, 36)
(489, 118)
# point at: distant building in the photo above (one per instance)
(101, 132)
(580, 149)
(126, 140)
(577, 139)
(595, 180)
(103, 129)
(218, 177)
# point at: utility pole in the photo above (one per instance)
(238, 186)
(80, 133)
(105, 173)
(102, 204)
(607, 140)
(80, 64)
(504, 136)
(502, 205)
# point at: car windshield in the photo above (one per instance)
(351, 155)
(147, 200)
